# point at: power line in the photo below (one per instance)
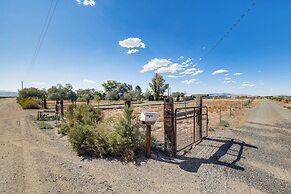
(227, 33)
(44, 30)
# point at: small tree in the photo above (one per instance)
(158, 86)
(99, 95)
(129, 138)
(148, 95)
(87, 94)
(137, 92)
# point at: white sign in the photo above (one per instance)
(149, 118)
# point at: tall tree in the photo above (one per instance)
(87, 94)
(158, 86)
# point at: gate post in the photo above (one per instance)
(199, 103)
(169, 133)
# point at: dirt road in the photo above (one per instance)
(255, 158)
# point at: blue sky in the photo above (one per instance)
(87, 44)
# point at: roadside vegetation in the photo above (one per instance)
(91, 135)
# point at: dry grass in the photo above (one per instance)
(214, 105)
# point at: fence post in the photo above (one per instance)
(169, 131)
(127, 103)
(199, 103)
(44, 101)
(62, 107)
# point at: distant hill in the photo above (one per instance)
(220, 95)
(8, 94)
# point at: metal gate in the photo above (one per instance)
(190, 126)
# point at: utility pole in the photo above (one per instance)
(22, 85)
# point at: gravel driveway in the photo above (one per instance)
(255, 158)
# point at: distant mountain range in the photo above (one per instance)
(220, 95)
(8, 93)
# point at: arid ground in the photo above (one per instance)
(253, 157)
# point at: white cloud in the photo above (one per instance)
(131, 51)
(175, 76)
(190, 81)
(132, 43)
(227, 78)
(172, 68)
(219, 71)
(89, 2)
(192, 71)
(154, 64)
(79, 2)
(247, 85)
(88, 81)
(37, 83)
(197, 72)
(237, 74)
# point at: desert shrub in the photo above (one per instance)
(69, 114)
(129, 139)
(87, 115)
(101, 139)
(44, 125)
(29, 103)
(88, 141)
(64, 129)
(82, 138)
(30, 92)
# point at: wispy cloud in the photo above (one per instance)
(192, 71)
(154, 64)
(190, 81)
(219, 71)
(131, 51)
(237, 74)
(247, 85)
(175, 76)
(88, 81)
(172, 68)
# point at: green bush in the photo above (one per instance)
(64, 129)
(29, 103)
(87, 141)
(82, 138)
(82, 115)
(44, 125)
(87, 115)
(129, 139)
(121, 140)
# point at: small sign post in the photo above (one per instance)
(149, 119)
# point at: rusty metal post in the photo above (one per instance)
(199, 104)
(62, 108)
(148, 141)
(169, 131)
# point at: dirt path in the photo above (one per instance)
(253, 159)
